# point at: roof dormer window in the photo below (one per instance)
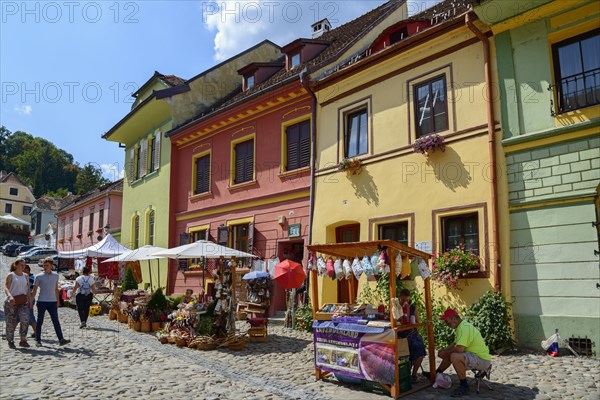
(249, 83)
(294, 60)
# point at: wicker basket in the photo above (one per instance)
(136, 326)
(156, 326)
(241, 316)
(180, 342)
(163, 339)
(113, 314)
(206, 346)
(123, 318)
(239, 345)
(191, 344)
(171, 339)
(146, 326)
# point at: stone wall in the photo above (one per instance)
(554, 171)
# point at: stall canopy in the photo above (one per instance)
(143, 253)
(202, 248)
(107, 247)
(11, 219)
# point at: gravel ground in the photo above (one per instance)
(107, 360)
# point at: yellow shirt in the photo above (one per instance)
(469, 337)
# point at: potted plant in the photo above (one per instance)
(61, 241)
(454, 264)
(429, 144)
(90, 233)
(79, 236)
(352, 166)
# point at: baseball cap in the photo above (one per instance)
(448, 313)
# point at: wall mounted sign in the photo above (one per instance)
(294, 230)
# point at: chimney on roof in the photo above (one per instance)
(320, 27)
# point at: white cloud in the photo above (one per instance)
(112, 172)
(25, 109)
(240, 24)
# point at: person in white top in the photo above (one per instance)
(84, 291)
(18, 300)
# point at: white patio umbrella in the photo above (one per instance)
(141, 254)
(11, 219)
(202, 248)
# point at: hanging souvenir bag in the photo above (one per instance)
(367, 267)
(339, 269)
(321, 268)
(357, 268)
(311, 261)
(398, 263)
(347, 269)
(374, 263)
(383, 262)
(330, 268)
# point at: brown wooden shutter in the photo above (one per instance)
(251, 238)
(304, 145)
(249, 172)
(202, 175)
(156, 145)
(292, 138)
(143, 157)
(223, 235)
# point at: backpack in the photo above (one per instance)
(85, 288)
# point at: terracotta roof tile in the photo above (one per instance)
(172, 80)
(116, 186)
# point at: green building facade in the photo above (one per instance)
(547, 55)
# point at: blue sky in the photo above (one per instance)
(67, 69)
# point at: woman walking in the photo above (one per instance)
(18, 301)
(27, 271)
(84, 294)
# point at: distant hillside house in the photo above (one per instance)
(16, 199)
(43, 219)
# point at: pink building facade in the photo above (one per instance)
(89, 217)
(244, 182)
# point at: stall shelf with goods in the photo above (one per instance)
(360, 349)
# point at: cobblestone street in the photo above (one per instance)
(107, 360)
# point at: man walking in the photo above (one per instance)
(47, 282)
(468, 352)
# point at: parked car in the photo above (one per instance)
(54, 259)
(33, 250)
(39, 254)
(27, 247)
(11, 248)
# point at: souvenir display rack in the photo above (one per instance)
(352, 250)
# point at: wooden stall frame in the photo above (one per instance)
(348, 251)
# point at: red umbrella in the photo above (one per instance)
(289, 274)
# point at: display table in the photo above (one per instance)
(130, 297)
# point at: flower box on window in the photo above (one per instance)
(61, 241)
(454, 264)
(352, 166)
(90, 233)
(429, 144)
(79, 236)
(70, 238)
(99, 230)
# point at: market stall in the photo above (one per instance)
(355, 342)
(221, 312)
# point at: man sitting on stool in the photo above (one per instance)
(468, 352)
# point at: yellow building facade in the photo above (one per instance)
(374, 110)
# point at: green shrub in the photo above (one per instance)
(491, 315)
(442, 334)
(158, 300)
(174, 301)
(205, 325)
(304, 318)
(129, 282)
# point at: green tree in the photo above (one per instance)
(60, 192)
(129, 281)
(88, 178)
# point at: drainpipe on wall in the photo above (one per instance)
(491, 123)
(304, 78)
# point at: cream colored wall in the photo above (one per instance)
(401, 181)
(23, 198)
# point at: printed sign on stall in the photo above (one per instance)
(360, 355)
